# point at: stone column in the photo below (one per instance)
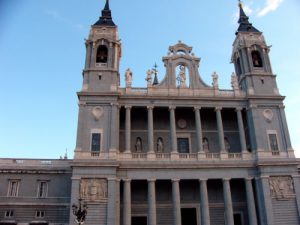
(150, 129)
(205, 217)
(117, 212)
(198, 129)
(250, 202)
(285, 128)
(173, 129)
(241, 129)
(127, 202)
(176, 202)
(220, 129)
(151, 202)
(266, 200)
(111, 204)
(114, 130)
(128, 129)
(75, 195)
(227, 202)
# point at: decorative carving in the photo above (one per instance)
(128, 78)
(182, 123)
(281, 187)
(215, 82)
(93, 189)
(268, 114)
(97, 112)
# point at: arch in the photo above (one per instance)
(256, 58)
(102, 54)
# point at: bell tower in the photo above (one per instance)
(251, 59)
(103, 53)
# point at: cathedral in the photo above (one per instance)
(177, 152)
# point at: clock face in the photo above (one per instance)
(182, 123)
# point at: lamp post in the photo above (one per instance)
(80, 212)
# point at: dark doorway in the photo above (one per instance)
(237, 217)
(188, 216)
(139, 220)
(183, 145)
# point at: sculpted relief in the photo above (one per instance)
(281, 187)
(93, 189)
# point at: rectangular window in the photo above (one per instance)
(96, 140)
(40, 214)
(13, 188)
(9, 214)
(42, 189)
(273, 142)
(183, 145)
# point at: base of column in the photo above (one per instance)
(201, 155)
(223, 155)
(151, 155)
(175, 155)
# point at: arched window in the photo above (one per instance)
(205, 144)
(256, 59)
(102, 54)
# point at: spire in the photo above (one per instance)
(106, 18)
(245, 25)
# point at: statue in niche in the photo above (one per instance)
(138, 145)
(257, 62)
(281, 187)
(227, 144)
(215, 78)
(149, 78)
(234, 81)
(128, 78)
(205, 145)
(160, 145)
(182, 77)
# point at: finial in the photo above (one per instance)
(106, 7)
(155, 71)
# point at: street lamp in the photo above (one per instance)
(80, 212)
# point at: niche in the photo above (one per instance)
(102, 54)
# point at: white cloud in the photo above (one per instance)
(271, 5)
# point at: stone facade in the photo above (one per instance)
(178, 152)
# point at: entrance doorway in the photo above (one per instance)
(139, 220)
(188, 216)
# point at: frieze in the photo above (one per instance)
(281, 187)
(93, 189)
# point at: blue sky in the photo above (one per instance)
(42, 55)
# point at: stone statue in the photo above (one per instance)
(182, 77)
(205, 145)
(138, 145)
(149, 78)
(234, 81)
(227, 144)
(128, 78)
(215, 82)
(160, 145)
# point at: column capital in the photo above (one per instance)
(252, 106)
(197, 108)
(126, 179)
(238, 109)
(127, 106)
(172, 107)
(249, 178)
(218, 108)
(203, 179)
(226, 179)
(112, 179)
(150, 107)
(175, 180)
(151, 180)
(281, 106)
(114, 104)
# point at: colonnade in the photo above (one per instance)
(173, 129)
(204, 203)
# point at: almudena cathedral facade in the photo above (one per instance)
(173, 153)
